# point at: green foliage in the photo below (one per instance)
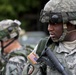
(16, 9)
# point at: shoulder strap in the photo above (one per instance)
(41, 46)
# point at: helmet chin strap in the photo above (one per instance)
(64, 33)
(71, 31)
(2, 51)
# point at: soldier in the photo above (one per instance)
(13, 54)
(60, 15)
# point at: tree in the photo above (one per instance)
(27, 11)
(16, 9)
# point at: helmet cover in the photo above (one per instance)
(9, 29)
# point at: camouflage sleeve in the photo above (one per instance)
(30, 69)
(15, 65)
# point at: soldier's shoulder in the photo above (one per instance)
(43, 39)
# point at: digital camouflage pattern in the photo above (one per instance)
(60, 5)
(9, 29)
(15, 62)
(65, 53)
(59, 11)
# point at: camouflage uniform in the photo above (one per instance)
(16, 62)
(65, 51)
(13, 62)
(66, 54)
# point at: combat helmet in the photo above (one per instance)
(9, 29)
(59, 11)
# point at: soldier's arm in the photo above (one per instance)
(15, 65)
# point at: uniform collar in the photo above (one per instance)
(68, 47)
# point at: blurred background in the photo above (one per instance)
(28, 12)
